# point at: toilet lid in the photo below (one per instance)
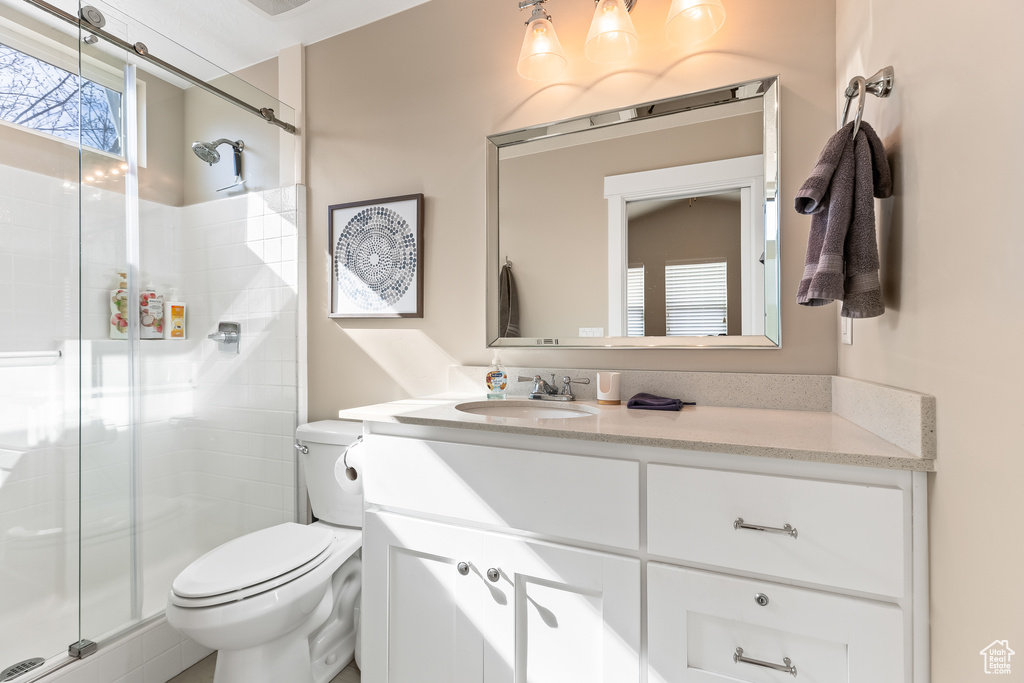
(252, 559)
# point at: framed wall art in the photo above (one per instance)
(377, 258)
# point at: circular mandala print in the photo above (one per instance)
(375, 258)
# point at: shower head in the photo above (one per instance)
(207, 151)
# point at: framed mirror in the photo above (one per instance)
(654, 225)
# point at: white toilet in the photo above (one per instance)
(280, 604)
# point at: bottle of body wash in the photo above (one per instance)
(174, 317)
(497, 379)
(151, 314)
(119, 308)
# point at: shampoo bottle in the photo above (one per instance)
(497, 379)
(151, 314)
(119, 308)
(174, 317)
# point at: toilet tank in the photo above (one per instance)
(334, 498)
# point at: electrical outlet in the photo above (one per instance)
(847, 329)
(591, 331)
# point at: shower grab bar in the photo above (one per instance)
(16, 358)
(140, 49)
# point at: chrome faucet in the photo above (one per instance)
(541, 389)
(545, 391)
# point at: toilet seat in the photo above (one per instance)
(253, 564)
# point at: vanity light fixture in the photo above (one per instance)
(542, 57)
(612, 37)
(693, 20)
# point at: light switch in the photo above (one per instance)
(591, 331)
(847, 328)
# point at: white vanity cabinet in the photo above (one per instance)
(461, 603)
(533, 564)
(703, 626)
(465, 606)
(771, 532)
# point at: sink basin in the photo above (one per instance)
(528, 410)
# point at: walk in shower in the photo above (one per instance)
(130, 442)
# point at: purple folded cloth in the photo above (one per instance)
(651, 402)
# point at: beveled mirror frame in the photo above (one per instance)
(766, 89)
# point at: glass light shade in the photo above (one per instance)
(693, 20)
(542, 57)
(612, 37)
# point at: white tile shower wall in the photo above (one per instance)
(241, 265)
(38, 260)
(38, 311)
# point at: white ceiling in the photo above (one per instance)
(234, 34)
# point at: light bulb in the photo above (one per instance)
(612, 37)
(542, 57)
(693, 20)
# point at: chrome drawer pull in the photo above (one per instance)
(787, 529)
(786, 666)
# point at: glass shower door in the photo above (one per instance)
(194, 441)
(39, 333)
(109, 346)
(124, 454)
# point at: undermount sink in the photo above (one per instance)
(528, 410)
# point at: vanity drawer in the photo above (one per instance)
(565, 496)
(697, 620)
(845, 535)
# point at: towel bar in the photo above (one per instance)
(879, 85)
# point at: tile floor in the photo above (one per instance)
(203, 673)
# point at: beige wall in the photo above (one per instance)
(403, 105)
(161, 179)
(952, 251)
(208, 118)
(704, 230)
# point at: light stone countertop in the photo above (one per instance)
(816, 436)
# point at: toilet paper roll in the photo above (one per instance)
(608, 388)
(354, 459)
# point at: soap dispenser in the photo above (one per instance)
(497, 379)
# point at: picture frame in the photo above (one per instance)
(376, 249)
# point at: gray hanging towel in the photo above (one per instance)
(842, 254)
(508, 303)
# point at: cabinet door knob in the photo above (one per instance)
(463, 568)
(761, 599)
(493, 575)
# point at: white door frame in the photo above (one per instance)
(745, 174)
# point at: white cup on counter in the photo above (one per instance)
(608, 388)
